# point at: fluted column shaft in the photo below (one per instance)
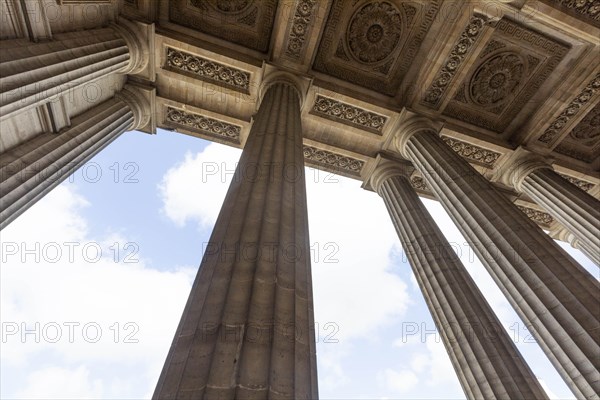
(247, 329)
(553, 294)
(34, 73)
(32, 169)
(575, 209)
(487, 363)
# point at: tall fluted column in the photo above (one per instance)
(30, 170)
(487, 363)
(34, 73)
(555, 297)
(575, 209)
(565, 235)
(247, 329)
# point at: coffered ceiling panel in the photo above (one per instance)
(505, 76)
(373, 44)
(246, 22)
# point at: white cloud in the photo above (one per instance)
(195, 188)
(402, 381)
(83, 315)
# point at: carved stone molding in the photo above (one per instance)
(583, 185)
(348, 114)
(586, 10)
(206, 125)
(496, 79)
(300, 29)
(459, 52)
(335, 161)
(539, 217)
(473, 153)
(558, 125)
(208, 70)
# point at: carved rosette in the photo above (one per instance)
(473, 153)
(587, 10)
(333, 160)
(496, 79)
(208, 69)
(555, 129)
(374, 32)
(458, 54)
(204, 124)
(300, 28)
(349, 114)
(539, 217)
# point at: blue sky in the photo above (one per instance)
(95, 275)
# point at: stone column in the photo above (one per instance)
(565, 236)
(487, 363)
(555, 297)
(34, 73)
(575, 209)
(33, 168)
(247, 329)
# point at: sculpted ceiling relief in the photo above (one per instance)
(332, 160)
(373, 44)
(587, 131)
(508, 73)
(434, 93)
(300, 28)
(558, 125)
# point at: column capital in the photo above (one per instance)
(139, 100)
(273, 75)
(382, 168)
(137, 44)
(411, 125)
(518, 166)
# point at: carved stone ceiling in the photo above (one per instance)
(586, 10)
(503, 78)
(583, 142)
(245, 22)
(373, 44)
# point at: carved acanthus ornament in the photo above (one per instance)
(418, 183)
(587, 131)
(583, 185)
(348, 114)
(558, 125)
(458, 54)
(333, 160)
(473, 153)
(208, 69)
(539, 217)
(204, 124)
(586, 9)
(300, 28)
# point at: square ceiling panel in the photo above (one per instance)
(246, 22)
(373, 43)
(505, 76)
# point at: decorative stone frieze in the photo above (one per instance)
(209, 70)
(473, 153)
(300, 28)
(583, 185)
(539, 217)
(558, 125)
(336, 161)
(458, 54)
(348, 114)
(205, 124)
